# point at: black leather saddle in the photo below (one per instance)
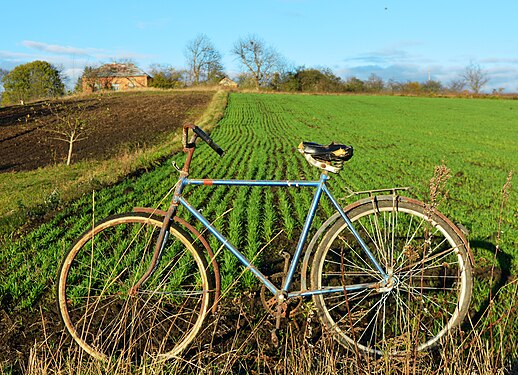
(333, 152)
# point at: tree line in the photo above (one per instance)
(262, 67)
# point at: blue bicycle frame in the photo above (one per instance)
(321, 187)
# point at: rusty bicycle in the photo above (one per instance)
(387, 274)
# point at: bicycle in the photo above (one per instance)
(388, 274)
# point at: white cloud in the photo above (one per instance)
(8, 55)
(398, 72)
(499, 61)
(395, 54)
(95, 53)
(60, 50)
(402, 63)
(380, 57)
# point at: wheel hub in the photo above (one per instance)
(390, 281)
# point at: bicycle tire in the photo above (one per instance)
(155, 323)
(428, 262)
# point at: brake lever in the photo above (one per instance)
(176, 166)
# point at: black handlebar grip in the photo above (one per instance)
(200, 133)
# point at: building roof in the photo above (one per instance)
(120, 70)
(227, 82)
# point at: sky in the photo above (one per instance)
(394, 39)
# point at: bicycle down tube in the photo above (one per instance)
(320, 186)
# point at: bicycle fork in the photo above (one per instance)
(161, 241)
(157, 255)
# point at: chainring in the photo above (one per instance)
(291, 307)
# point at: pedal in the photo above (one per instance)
(275, 339)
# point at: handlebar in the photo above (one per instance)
(198, 132)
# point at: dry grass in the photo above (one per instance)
(468, 353)
(487, 347)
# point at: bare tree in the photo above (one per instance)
(374, 83)
(457, 85)
(93, 79)
(69, 125)
(202, 58)
(260, 60)
(474, 77)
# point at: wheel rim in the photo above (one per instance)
(106, 319)
(428, 274)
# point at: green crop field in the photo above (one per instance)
(398, 141)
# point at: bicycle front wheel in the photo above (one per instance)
(111, 321)
(429, 286)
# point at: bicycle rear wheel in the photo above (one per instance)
(156, 322)
(429, 269)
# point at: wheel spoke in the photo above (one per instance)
(107, 317)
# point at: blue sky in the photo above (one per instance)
(396, 39)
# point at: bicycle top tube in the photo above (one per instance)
(279, 183)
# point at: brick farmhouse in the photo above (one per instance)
(115, 77)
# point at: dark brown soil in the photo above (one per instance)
(114, 122)
(239, 334)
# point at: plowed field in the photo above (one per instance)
(114, 122)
